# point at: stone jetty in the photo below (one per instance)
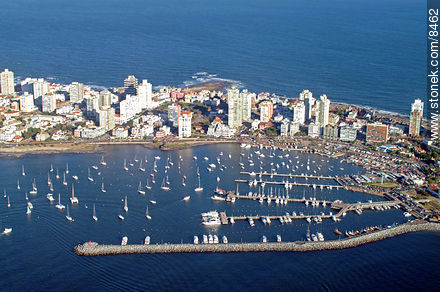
(95, 249)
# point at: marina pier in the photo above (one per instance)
(289, 184)
(95, 249)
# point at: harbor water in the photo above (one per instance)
(38, 252)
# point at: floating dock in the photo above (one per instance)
(290, 184)
(95, 249)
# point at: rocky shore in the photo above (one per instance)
(95, 249)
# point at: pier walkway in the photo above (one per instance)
(288, 184)
(287, 175)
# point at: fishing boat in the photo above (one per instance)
(59, 206)
(125, 165)
(186, 198)
(73, 199)
(125, 205)
(94, 213)
(141, 168)
(88, 175)
(140, 191)
(146, 214)
(7, 231)
(164, 186)
(68, 215)
(103, 161)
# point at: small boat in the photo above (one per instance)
(94, 213)
(121, 217)
(264, 239)
(124, 240)
(338, 232)
(196, 239)
(95, 167)
(186, 198)
(140, 191)
(278, 238)
(125, 165)
(68, 215)
(102, 161)
(7, 231)
(23, 173)
(88, 176)
(28, 210)
(153, 202)
(49, 196)
(64, 179)
(18, 184)
(147, 186)
(147, 240)
(73, 199)
(9, 203)
(199, 188)
(205, 239)
(59, 206)
(217, 198)
(67, 168)
(102, 188)
(125, 205)
(146, 214)
(164, 186)
(141, 168)
(224, 239)
(57, 176)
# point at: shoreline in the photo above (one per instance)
(94, 249)
(18, 150)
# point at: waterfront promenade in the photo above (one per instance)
(94, 249)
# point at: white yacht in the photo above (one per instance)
(199, 188)
(125, 205)
(140, 191)
(186, 198)
(28, 210)
(59, 206)
(7, 231)
(73, 199)
(88, 176)
(124, 240)
(68, 215)
(224, 239)
(146, 214)
(196, 239)
(18, 184)
(125, 165)
(147, 240)
(94, 213)
(49, 196)
(102, 188)
(121, 217)
(23, 173)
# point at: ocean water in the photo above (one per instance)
(361, 52)
(38, 253)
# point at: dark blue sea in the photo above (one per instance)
(38, 253)
(360, 52)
